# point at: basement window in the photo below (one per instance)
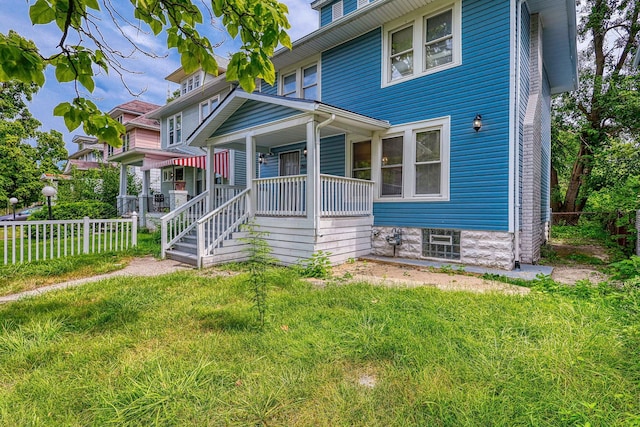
(441, 243)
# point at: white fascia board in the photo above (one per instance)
(263, 129)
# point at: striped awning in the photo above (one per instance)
(220, 163)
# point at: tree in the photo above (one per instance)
(82, 52)
(604, 110)
(22, 164)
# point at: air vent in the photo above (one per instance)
(441, 243)
(336, 11)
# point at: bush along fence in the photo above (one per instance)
(638, 230)
(27, 241)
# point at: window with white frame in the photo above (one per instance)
(126, 139)
(184, 88)
(206, 107)
(110, 150)
(301, 83)
(196, 81)
(428, 43)
(336, 10)
(174, 129)
(414, 161)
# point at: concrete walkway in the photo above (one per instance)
(145, 267)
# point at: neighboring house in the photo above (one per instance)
(418, 129)
(91, 154)
(140, 143)
(184, 175)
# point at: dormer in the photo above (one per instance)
(332, 10)
(192, 81)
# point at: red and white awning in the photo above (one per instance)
(220, 163)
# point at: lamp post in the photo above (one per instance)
(49, 192)
(13, 202)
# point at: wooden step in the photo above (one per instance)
(183, 257)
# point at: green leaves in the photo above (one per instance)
(41, 12)
(20, 60)
(95, 122)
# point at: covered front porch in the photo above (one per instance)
(298, 187)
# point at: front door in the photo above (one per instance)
(290, 163)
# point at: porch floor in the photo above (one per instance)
(526, 271)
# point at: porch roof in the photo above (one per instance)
(203, 135)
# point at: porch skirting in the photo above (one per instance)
(482, 248)
(292, 240)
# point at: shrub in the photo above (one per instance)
(77, 210)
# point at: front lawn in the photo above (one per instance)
(184, 349)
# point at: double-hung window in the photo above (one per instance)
(174, 129)
(361, 163)
(428, 43)
(206, 107)
(126, 139)
(303, 83)
(414, 161)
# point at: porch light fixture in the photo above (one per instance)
(477, 122)
(262, 159)
(304, 152)
(49, 192)
(13, 202)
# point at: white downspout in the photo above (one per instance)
(518, 207)
(318, 183)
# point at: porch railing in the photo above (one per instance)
(182, 220)
(26, 241)
(218, 225)
(223, 193)
(127, 204)
(281, 196)
(345, 196)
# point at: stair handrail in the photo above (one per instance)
(206, 248)
(179, 224)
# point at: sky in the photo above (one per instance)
(146, 81)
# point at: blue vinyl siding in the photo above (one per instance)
(266, 88)
(348, 6)
(525, 78)
(546, 149)
(479, 162)
(239, 167)
(254, 113)
(332, 157)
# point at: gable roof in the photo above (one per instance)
(136, 107)
(559, 17)
(237, 98)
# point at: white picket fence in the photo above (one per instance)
(27, 241)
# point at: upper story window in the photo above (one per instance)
(174, 129)
(206, 107)
(337, 10)
(190, 84)
(126, 141)
(414, 162)
(428, 43)
(303, 83)
(110, 150)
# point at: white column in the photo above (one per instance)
(122, 195)
(144, 198)
(210, 177)
(313, 175)
(251, 170)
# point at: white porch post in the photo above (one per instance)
(211, 177)
(251, 171)
(313, 176)
(123, 189)
(144, 198)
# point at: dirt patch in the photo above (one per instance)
(571, 275)
(410, 276)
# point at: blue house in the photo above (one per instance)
(411, 128)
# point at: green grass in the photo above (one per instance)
(21, 277)
(184, 349)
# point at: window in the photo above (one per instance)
(391, 165)
(196, 81)
(126, 139)
(441, 243)
(184, 87)
(428, 43)
(438, 45)
(302, 83)
(401, 60)
(336, 10)
(290, 163)
(109, 151)
(414, 161)
(289, 86)
(361, 163)
(174, 129)
(167, 175)
(428, 162)
(206, 107)
(190, 85)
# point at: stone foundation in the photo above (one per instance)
(483, 248)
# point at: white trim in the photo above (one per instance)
(417, 19)
(408, 131)
(514, 106)
(298, 70)
(208, 101)
(176, 141)
(361, 3)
